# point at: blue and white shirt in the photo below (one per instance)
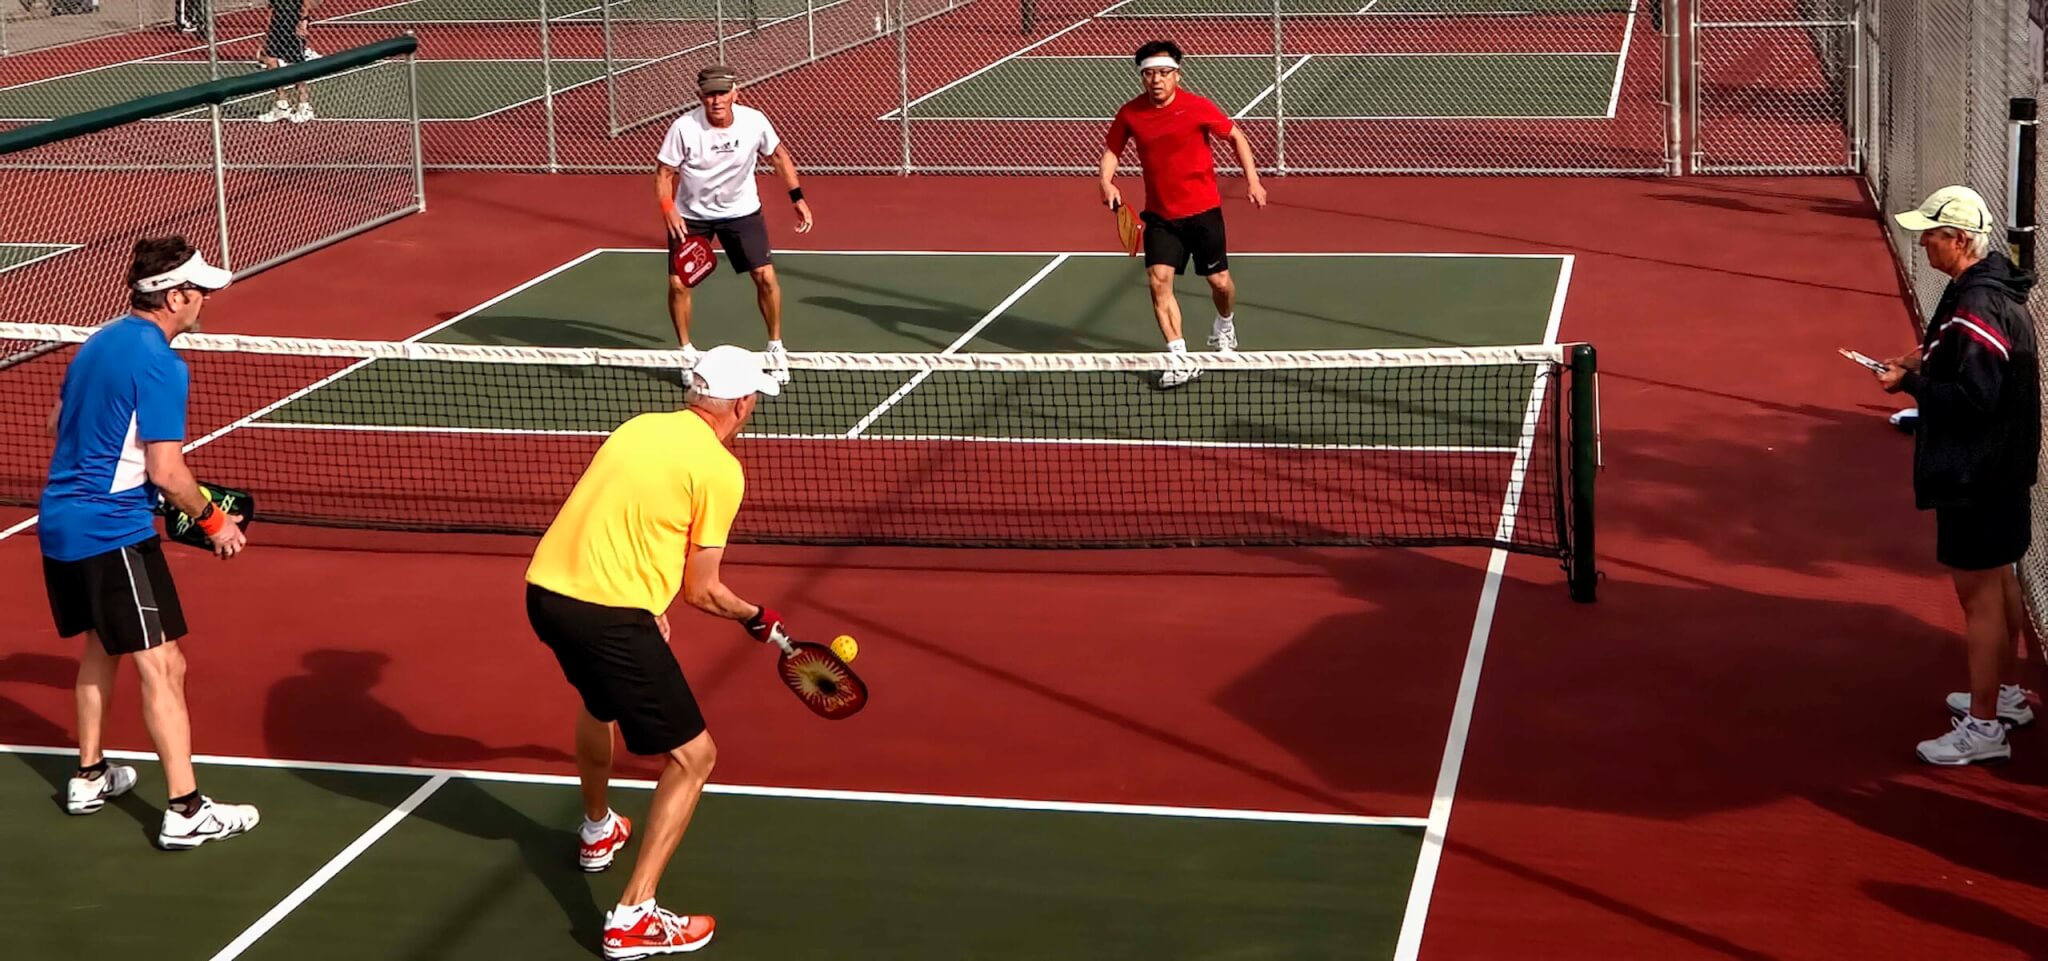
(124, 389)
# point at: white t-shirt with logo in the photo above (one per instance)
(717, 163)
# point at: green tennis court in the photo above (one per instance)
(448, 89)
(1319, 87)
(484, 869)
(925, 302)
(14, 255)
(622, 11)
(1197, 8)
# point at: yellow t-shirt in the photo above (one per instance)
(660, 483)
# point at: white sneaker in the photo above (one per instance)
(86, 795)
(778, 364)
(2013, 707)
(1183, 369)
(303, 114)
(1223, 335)
(213, 821)
(1970, 741)
(278, 111)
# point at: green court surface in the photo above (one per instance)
(515, 11)
(1234, 8)
(926, 302)
(485, 870)
(449, 89)
(1319, 86)
(14, 255)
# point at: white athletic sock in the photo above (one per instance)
(595, 831)
(1178, 345)
(775, 345)
(626, 914)
(1226, 319)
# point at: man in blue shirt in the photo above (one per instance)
(120, 426)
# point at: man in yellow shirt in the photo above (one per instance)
(647, 520)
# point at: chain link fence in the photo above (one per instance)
(200, 162)
(1505, 86)
(1775, 86)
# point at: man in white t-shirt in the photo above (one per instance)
(705, 183)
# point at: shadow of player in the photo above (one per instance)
(330, 708)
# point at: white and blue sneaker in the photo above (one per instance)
(1970, 741)
(84, 795)
(213, 821)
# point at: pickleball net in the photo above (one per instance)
(1485, 446)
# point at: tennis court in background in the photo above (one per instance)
(357, 861)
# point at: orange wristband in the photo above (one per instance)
(211, 520)
(668, 205)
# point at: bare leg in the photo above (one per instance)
(163, 712)
(2022, 628)
(1223, 292)
(768, 295)
(675, 800)
(679, 309)
(1165, 308)
(1986, 637)
(95, 694)
(594, 763)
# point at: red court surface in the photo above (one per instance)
(1714, 761)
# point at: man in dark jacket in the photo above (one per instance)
(1975, 456)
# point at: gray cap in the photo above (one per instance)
(717, 78)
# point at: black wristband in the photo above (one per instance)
(205, 512)
(796, 194)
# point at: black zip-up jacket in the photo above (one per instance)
(1979, 390)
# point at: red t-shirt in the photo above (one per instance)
(1180, 174)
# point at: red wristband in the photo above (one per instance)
(668, 205)
(211, 520)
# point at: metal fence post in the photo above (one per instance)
(1279, 100)
(547, 81)
(2026, 128)
(903, 78)
(718, 18)
(1674, 94)
(412, 96)
(220, 185)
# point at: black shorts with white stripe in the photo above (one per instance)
(125, 596)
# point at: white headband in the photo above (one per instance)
(1159, 60)
(195, 270)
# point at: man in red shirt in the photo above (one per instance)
(1183, 209)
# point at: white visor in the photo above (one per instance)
(1159, 61)
(195, 271)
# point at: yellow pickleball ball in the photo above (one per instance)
(845, 648)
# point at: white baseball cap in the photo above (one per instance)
(195, 271)
(1957, 206)
(732, 372)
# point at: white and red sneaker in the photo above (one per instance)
(646, 932)
(597, 853)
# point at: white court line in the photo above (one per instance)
(904, 391)
(352, 368)
(918, 438)
(327, 871)
(1105, 253)
(991, 65)
(60, 249)
(743, 790)
(1275, 85)
(1621, 59)
(1430, 857)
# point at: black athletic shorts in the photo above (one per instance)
(1992, 532)
(616, 659)
(1173, 242)
(282, 41)
(745, 240)
(125, 596)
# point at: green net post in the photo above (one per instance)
(1585, 454)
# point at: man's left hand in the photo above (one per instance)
(1892, 379)
(803, 216)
